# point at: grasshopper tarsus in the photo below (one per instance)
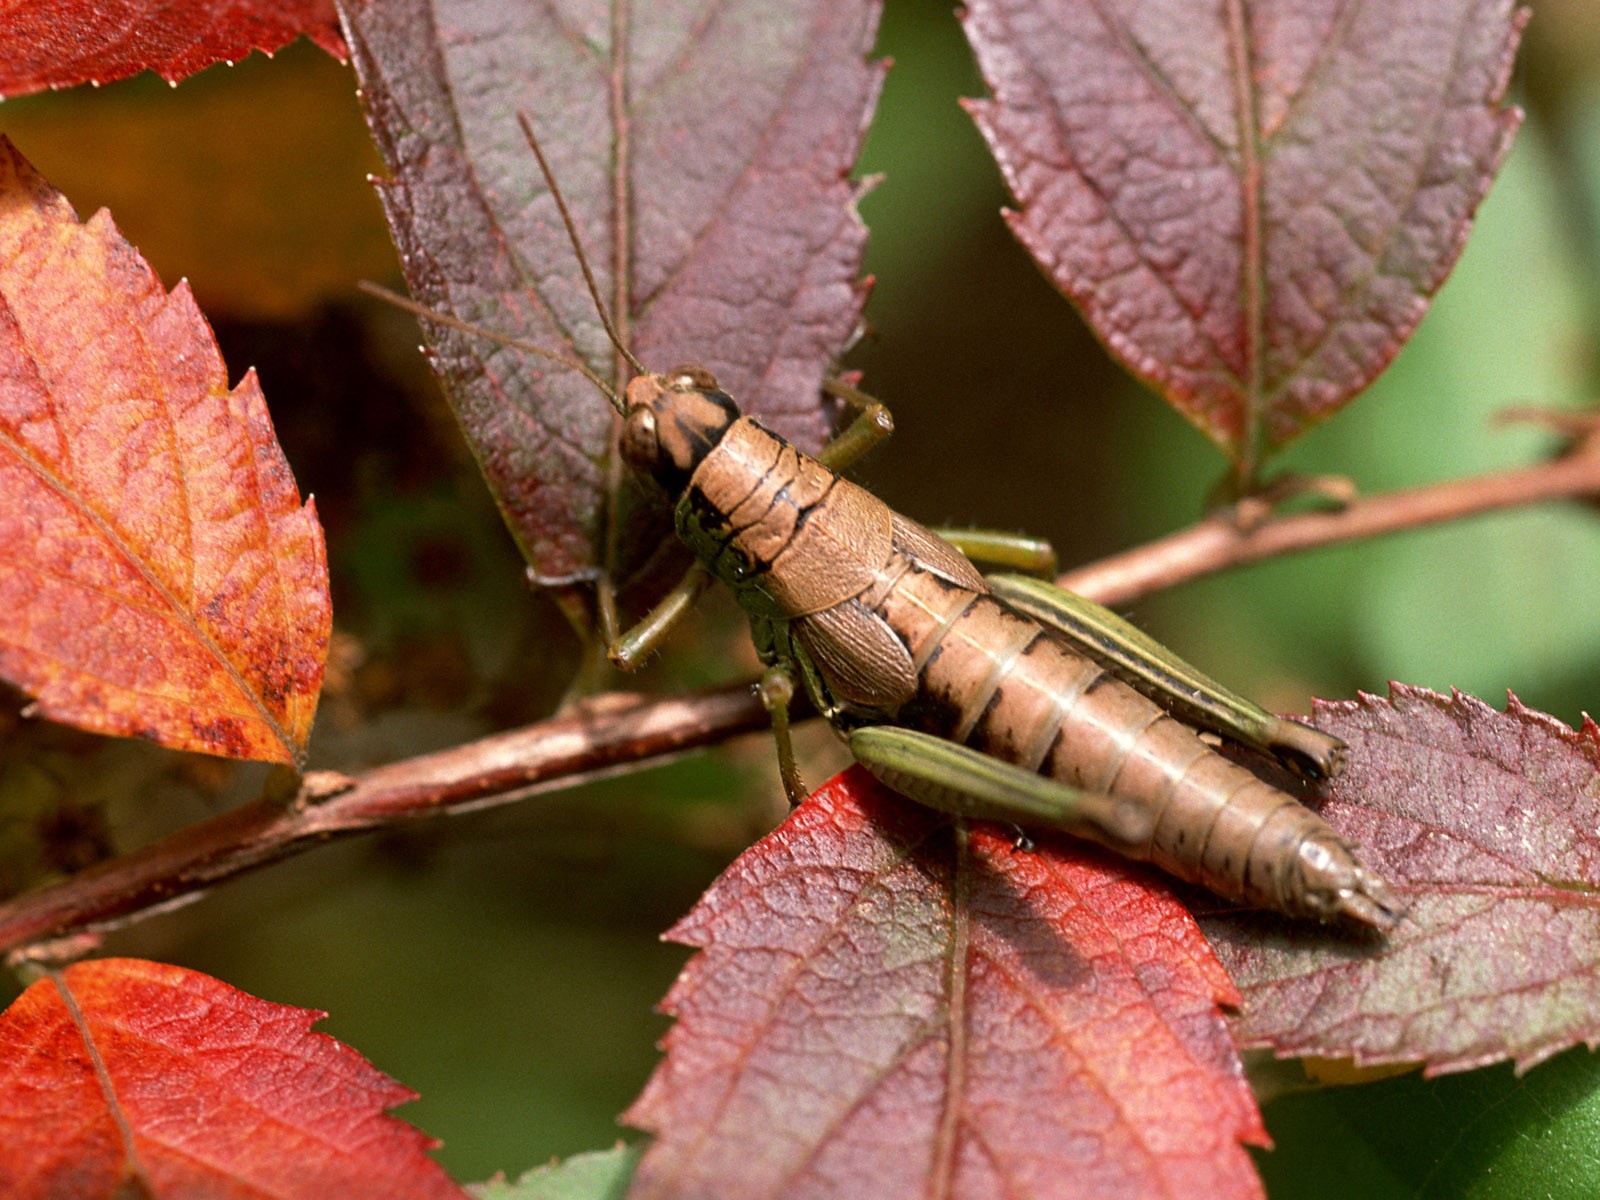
(629, 649)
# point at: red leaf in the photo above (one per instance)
(716, 193)
(121, 1070)
(61, 43)
(883, 1007)
(158, 574)
(1252, 204)
(1488, 825)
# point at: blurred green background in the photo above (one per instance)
(505, 964)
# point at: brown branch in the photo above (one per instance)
(618, 732)
(1223, 540)
(604, 735)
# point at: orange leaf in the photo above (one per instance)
(59, 43)
(158, 575)
(120, 1070)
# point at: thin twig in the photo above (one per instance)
(605, 735)
(619, 733)
(1222, 541)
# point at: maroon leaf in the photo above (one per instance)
(886, 1006)
(1252, 204)
(1488, 824)
(703, 150)
(62, 43)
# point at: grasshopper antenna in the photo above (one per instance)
(577, 244)
(439, 318)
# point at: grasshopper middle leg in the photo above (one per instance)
(1015, 550)
(776, 691)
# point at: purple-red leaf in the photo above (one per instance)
(61, 43)
(886, 1005)
(123, 1078)
(1488, 825)
(703, 149)
(1251, 203)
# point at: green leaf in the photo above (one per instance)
(1486, 1135)
(600, 1175)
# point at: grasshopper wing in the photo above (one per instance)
(1147, 666)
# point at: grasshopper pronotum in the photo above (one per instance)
(1001, 698)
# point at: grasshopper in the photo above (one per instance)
(1001, 698)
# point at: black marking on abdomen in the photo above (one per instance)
(980, 737)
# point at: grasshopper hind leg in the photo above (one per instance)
(1332, 884)
(965, 783)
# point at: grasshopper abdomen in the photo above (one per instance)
(994, 680)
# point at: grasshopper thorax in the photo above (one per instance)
(672, 422)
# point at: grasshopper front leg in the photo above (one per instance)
(627, 650)
(871, 425)
(1179, 687)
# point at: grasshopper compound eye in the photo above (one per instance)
(639, 442)
(690, 378)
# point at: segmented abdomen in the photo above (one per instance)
(1000, 683)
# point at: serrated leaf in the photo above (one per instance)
(1251, 204)
(703, 149)
(885, 1005)
(120, 1073)
(1488, 826)
(159, 576)
(61, 43)
(602, 1175)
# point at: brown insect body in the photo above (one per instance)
(958, 693)
(886, 623)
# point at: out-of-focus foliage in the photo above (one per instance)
(249, 181)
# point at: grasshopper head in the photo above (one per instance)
(672, 422)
